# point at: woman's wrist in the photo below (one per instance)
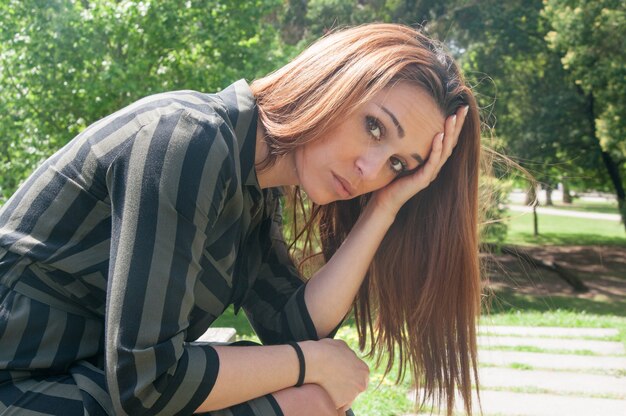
(301, 362)
(309, 349)
(380, 211)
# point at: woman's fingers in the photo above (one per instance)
(452, 129)
(428, 173)
(449, 142)
(461, 114)
(342, 373)
(443, 144)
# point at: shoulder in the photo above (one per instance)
(199, 108)
(184, 113)
(178, 120)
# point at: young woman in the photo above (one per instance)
(124, 246)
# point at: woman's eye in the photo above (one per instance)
(374, 127)
(397, 165)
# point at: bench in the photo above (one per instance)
(218, 335)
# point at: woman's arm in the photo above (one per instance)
(249, 372)
(331, 291)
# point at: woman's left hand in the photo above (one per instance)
(394, 195)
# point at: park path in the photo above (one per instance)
(528, 371)
(566, 212)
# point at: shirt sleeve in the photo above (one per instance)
(167, 187)
(275, 305)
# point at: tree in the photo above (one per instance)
(65, 64)
(540, 112)
(589, 36)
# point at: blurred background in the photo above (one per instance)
(550, 77)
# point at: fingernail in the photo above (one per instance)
(454, 120)
(465, 110)
(440, 137)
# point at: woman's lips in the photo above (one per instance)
(344, 186)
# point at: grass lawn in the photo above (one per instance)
(560, 230)
(603, 207)
(589, 206)
(508, 308)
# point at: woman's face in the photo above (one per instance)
(390, 135)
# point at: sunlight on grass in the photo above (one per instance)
(530, 348)
(589, 206)
(560, 230)
(521, 366)
(511, 309)
(536, 390)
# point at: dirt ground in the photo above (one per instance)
(601, 268)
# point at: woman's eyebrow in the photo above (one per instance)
(394, 119)
(415, 156)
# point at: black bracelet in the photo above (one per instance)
(301, 361)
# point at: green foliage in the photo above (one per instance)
(317, 17)
(589, 36)
(538, 111)
(65, 64)
(553, 67)
(324, 15)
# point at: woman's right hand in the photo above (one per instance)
(331, 364)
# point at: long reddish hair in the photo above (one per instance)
(421, 295)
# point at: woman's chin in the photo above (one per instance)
(319, 198)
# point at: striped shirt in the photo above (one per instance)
(125, 245)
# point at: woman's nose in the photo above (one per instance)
(371, 164)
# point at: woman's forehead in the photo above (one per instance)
(411, 105)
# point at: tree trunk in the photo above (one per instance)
(613, 171)
(609, 163)
(531, 195)
(549, 190)
(535, 220)
(567, 197)
(532, 200)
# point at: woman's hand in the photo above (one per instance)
(335, 367)
(394, 195)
